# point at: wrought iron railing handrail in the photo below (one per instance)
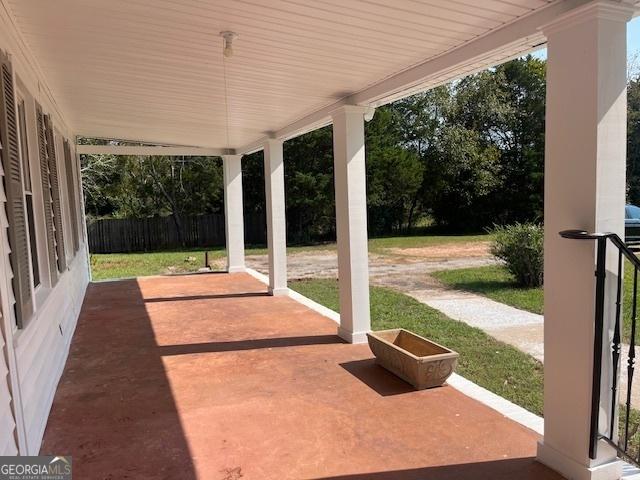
(623, 448)
(613, 237)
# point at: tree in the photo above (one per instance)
(633, 141)
(465, 174)
(100, 180)
(521, 196)
(481, 143)
(139, 187)
(394, 174)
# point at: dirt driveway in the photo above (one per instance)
(405, 269)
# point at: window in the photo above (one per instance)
(28, 191)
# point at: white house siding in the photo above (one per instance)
(42, 349)
(38, 352)
(8, 445)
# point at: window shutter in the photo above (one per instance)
(71, 193)
(16, 212)
(81, 231)
(55, 193)
(46, 195)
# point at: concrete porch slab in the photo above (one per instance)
(206, 376)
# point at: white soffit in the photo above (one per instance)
(152, 70)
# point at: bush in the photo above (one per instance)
(521, 247)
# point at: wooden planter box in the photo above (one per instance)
(421, 362)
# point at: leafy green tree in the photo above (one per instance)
(394, 173)
(521, 195)
(633, 141)
(100, 181)
(467, 175)
(309, 186)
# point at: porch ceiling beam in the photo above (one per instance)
(153, 150)
(498, 46)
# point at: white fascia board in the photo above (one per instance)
(152, 150)
(514, 39)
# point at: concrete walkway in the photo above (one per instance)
(523, 330)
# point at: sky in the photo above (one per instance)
(633, 36)
(633, 40)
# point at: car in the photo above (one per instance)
(632, 224)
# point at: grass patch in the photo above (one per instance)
(496, 366)
(496, 283)
(124, 265)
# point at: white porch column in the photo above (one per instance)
(233, 212)
(276, 223)
(351, 222)
(584, 189)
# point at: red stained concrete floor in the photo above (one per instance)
(204, 376)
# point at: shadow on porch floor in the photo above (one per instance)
(219, 381)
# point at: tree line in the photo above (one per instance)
(460, 157)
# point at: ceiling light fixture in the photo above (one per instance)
(228, 37)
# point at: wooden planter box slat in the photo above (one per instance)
(418, 361)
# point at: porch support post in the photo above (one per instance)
(584, 188)
(351, 222)
(233, 212)
(276, 222)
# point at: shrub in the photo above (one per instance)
(521, 247)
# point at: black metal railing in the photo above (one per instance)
(628, 442)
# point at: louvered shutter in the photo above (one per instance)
(16, 212)
(71, 193)
(46, 196)
(81, 220)
(55, 193)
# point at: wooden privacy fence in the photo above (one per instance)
(160, 233)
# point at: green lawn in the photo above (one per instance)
(494, 365)
(497, 283)
(125, 265)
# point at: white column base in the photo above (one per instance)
(569, 468)
(278, 292)
(352, 337)
(236, 269)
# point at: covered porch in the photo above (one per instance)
(207, 376)
(199, 376)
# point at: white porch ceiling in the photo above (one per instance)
(152, 70)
